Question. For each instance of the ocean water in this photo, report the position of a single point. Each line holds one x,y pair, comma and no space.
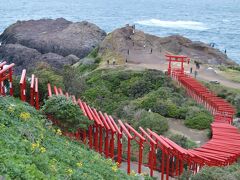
209,21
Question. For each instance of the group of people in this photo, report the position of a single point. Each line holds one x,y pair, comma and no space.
213,45
196,70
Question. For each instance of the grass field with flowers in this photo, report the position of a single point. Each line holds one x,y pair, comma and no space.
31,148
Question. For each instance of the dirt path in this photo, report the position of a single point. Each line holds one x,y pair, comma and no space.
140,57
177,127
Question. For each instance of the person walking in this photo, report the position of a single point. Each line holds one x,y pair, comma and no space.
108,62
126,61
190,70
144,46
151,51
225,51
128,51
114,62
195,73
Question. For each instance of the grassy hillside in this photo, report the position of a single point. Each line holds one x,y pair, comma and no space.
215,173
30,148
131,94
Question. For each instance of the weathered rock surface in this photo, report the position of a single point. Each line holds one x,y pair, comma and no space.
123,39
57,36
22,56
57,42
28,58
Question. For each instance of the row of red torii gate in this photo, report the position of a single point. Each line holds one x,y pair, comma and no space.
114,138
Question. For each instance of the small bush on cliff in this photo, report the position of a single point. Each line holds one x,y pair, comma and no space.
69,114
153,121
198,118
217,173
46,74
183,141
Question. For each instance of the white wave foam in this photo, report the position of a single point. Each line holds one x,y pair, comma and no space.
193,25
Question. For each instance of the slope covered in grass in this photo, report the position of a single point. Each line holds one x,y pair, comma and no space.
30,148
131,94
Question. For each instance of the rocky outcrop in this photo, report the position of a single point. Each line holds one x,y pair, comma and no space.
124,39
28,58
57,36
22,56
57,42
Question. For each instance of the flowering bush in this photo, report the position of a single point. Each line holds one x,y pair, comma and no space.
69,114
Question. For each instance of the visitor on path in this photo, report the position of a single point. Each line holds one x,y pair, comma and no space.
197,65
133,43
114,62
195,73
190,70
128,51
126,61
144,46
108,62
225,51
151,51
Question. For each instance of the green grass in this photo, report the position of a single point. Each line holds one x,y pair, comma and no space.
30,148
215,173
230,94
231,74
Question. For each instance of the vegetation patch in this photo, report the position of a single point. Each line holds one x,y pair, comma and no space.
198,118
230,94
30,148
70,116
215,173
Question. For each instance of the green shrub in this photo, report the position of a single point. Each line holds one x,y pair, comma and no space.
183,141
218,173
198,118
46,74
69,114
151,120
94,53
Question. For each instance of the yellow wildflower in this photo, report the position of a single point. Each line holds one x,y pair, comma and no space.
53,168
114,168
132,173
79,164
24,115
11,108
59,132
69,171
42,149
35,145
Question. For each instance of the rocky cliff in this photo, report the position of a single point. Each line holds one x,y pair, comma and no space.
136,46
56,42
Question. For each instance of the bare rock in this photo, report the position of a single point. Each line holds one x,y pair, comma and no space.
121,40
56,36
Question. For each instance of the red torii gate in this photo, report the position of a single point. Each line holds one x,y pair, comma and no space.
176,58
34,94
6,74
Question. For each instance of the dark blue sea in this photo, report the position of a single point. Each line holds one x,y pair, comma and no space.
209,21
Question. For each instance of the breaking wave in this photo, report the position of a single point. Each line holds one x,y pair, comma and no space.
193,25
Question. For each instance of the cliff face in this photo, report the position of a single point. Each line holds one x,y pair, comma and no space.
59,37
139,44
